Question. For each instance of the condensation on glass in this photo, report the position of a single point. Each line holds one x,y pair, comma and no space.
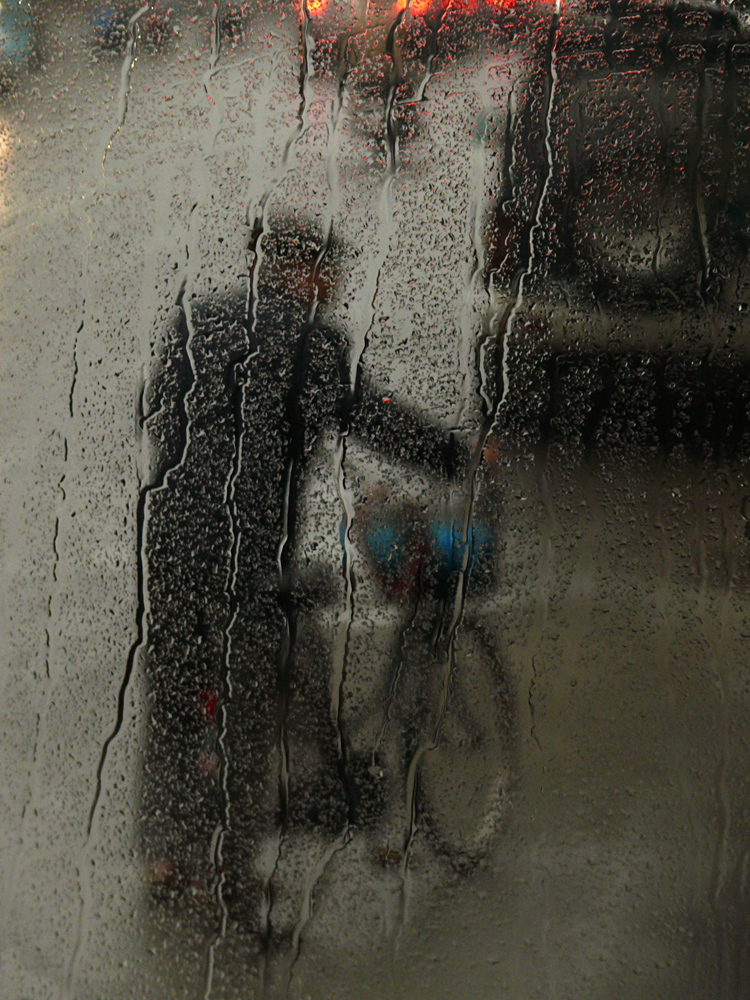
375,511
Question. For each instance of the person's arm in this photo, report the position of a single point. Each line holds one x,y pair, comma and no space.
403,434
394,429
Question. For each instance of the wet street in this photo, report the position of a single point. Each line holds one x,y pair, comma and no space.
528,784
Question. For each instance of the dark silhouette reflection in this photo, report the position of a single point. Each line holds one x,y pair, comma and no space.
243,745
616,268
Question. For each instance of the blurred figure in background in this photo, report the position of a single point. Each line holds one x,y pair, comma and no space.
234,410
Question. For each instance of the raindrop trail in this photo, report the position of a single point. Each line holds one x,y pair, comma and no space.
125,85
359,349
511,310
412,787
255,254
284,560
714,637
459,602
387,221
473,281
303,125
135,652
391,130
388,227
507,189
340,652
84,873
55,557
699,210
230,593
287,645
506,326
55,563
487,426
138,645
40,734
284,554
126,72
84,896
225,681
532,708
419,95
74,379
307,905
342,640
667,184
482,180
215,48
397,668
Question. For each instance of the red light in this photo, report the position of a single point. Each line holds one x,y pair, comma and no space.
417,8
314,8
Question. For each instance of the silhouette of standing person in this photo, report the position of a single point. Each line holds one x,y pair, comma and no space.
234,411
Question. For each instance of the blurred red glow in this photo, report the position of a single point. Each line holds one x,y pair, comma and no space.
469,7
315,8
418,8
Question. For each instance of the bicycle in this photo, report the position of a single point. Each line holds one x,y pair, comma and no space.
424,725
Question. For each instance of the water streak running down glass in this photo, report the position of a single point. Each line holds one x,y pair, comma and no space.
375,509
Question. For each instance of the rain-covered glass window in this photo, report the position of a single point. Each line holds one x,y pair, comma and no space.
376,500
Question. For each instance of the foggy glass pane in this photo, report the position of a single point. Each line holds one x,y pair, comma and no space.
375,499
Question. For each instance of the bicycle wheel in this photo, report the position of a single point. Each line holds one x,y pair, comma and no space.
464,775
